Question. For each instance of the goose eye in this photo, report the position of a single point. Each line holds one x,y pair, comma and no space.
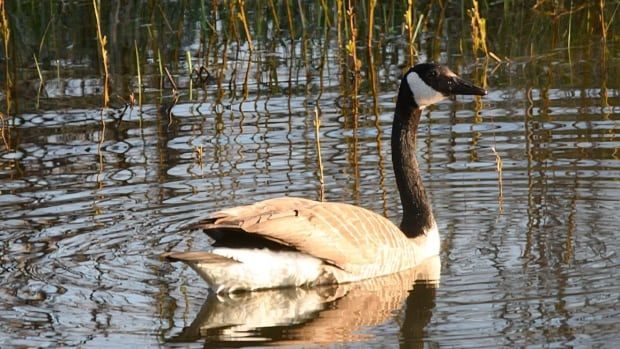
432,74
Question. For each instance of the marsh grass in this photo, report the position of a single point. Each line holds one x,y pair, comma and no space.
317,142
190,71
394,33
199,155
478,30
499,167
409,27
102,41
244,21
5,31
135,45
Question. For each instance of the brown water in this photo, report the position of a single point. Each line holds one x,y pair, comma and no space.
86,210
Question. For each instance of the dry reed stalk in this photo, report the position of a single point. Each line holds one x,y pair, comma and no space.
601,5
175,90
100,148
357,63
242,17
289,16
190,70
36,64
371,22
478,29
161,70
103,40
232,24
499,164
339,22
246,79
5,29
274,13
6,36
135,44
199,152
327,12
317,126
410,31
4,131
175,95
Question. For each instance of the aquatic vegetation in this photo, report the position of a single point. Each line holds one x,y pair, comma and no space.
102,41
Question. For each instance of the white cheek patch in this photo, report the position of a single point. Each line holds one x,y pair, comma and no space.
423,94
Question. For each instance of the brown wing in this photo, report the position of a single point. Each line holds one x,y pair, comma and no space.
197,256
344,235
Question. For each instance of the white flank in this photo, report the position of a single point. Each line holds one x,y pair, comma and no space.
260,268
422,93
429,243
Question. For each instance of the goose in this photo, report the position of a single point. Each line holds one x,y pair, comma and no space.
294,242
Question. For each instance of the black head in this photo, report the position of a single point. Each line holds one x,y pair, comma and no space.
430,83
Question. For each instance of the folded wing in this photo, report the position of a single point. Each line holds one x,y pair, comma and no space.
343,235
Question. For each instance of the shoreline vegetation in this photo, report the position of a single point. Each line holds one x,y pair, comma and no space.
194,51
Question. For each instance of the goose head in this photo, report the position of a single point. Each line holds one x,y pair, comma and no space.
429,83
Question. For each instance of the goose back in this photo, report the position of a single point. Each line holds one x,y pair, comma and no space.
348,237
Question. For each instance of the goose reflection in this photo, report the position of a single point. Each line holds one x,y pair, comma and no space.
320,315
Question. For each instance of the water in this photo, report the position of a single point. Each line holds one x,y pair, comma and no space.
531,260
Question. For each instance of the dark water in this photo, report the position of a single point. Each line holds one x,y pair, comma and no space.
89,200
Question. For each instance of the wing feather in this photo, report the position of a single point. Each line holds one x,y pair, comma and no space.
344,235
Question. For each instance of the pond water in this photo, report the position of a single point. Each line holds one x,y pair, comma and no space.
90,197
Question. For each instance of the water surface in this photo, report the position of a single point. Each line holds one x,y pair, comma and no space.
90,197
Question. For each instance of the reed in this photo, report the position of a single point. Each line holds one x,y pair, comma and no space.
246,79
6,36
478,29
199,153
357,63
160,65
371,22
327,12
36,64
243,18
4,133
5,30
274,14
175,96
568,44
289,17
601,15
317,142
499,165
102,41
190,70
175,89
339,22
102,131
135,45
409,27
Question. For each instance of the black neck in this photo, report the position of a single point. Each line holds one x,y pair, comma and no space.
417,213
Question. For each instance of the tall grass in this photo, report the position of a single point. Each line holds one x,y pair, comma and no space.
392,32
102,40
5,30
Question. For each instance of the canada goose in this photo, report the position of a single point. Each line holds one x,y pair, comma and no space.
291,241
